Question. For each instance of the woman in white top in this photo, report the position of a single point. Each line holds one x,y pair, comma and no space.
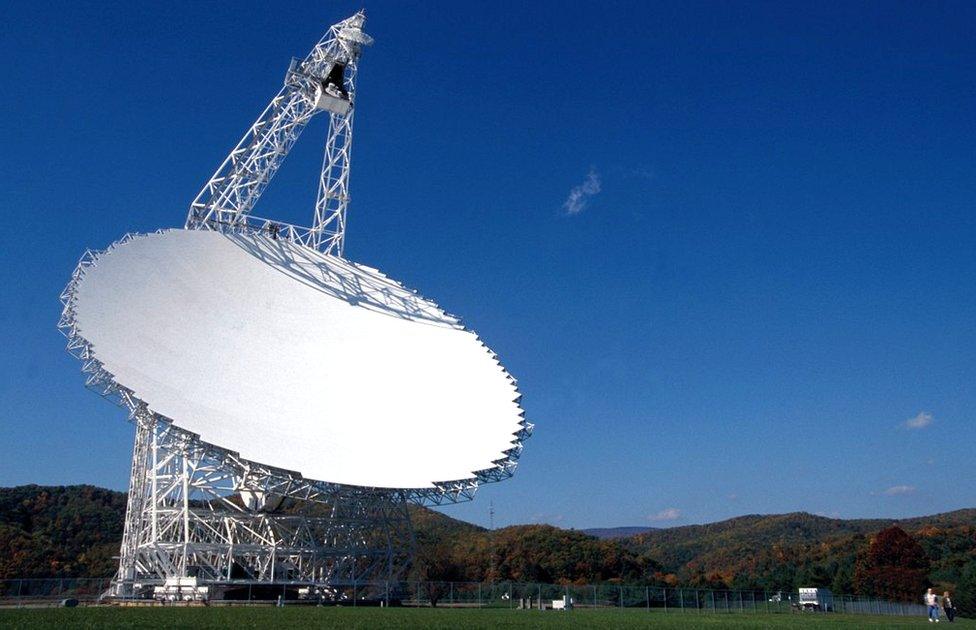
932,601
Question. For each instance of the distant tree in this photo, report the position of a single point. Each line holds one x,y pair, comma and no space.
965,596
700,579
843,582
814,575
895,567
434,569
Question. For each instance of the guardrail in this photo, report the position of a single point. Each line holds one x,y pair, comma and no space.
274,229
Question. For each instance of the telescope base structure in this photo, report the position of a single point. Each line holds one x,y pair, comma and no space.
196,528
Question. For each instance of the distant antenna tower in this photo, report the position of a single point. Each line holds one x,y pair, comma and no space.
492,565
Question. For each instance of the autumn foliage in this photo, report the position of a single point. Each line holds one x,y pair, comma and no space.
895,567
75,532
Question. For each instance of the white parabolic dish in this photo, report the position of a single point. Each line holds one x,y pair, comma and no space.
296,359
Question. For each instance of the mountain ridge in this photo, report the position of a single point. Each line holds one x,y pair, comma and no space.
616,532
75,531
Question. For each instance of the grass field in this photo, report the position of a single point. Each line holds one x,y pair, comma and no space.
350,618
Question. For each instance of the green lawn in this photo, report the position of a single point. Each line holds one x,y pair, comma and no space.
350,618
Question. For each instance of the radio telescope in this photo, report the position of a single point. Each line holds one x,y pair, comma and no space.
289,404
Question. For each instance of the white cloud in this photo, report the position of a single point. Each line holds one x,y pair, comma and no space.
667,514
895,491
922,420
579,195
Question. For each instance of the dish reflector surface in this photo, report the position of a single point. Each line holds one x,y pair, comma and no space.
297,360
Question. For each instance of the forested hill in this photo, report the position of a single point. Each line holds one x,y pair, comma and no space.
616,532
767,550
75,531
64,531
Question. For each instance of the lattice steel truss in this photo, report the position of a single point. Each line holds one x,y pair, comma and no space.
198,510
190,515
323,81
329,222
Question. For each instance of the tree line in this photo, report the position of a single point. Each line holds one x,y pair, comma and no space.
75,531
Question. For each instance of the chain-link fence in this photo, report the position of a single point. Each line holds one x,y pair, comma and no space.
50,591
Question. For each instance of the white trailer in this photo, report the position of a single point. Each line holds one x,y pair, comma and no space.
181,589
816,599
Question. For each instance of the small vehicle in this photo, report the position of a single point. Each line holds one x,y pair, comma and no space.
816,599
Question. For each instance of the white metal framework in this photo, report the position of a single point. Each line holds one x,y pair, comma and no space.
323,81
190,515
197,509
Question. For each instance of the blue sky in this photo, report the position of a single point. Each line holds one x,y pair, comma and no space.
766,271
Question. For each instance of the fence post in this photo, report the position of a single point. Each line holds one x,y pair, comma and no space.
665,589
451,597
480,605
681,599
698,602
594,596
766,599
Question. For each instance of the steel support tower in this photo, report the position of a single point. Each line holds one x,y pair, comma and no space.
197,512
200,513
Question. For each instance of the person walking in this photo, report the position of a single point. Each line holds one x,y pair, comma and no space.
950,610
932,601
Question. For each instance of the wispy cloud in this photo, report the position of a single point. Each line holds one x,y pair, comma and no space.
667,514
895,491
922,420
579,195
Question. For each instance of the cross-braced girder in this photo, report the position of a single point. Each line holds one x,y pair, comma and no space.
323,81
186,518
